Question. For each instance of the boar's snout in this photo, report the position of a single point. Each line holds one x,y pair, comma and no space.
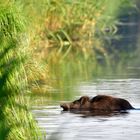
65,106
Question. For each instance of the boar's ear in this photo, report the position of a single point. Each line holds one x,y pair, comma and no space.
84,99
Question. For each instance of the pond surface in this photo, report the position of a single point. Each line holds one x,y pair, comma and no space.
59,125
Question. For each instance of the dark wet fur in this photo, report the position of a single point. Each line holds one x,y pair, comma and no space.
100,104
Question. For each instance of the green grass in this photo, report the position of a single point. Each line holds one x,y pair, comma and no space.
16,122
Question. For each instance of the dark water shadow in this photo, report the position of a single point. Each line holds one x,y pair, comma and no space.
94,113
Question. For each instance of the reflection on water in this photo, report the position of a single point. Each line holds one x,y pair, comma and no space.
59,125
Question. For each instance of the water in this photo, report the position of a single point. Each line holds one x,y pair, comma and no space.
59,125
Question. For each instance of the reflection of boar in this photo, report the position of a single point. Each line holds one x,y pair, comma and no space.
99,102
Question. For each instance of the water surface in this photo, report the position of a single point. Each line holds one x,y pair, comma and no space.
59,125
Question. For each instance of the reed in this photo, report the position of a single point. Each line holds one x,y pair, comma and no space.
16,122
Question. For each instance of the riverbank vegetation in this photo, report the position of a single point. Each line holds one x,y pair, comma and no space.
66,37
45,43
16,121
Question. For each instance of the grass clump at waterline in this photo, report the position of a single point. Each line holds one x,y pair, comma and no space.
16,122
